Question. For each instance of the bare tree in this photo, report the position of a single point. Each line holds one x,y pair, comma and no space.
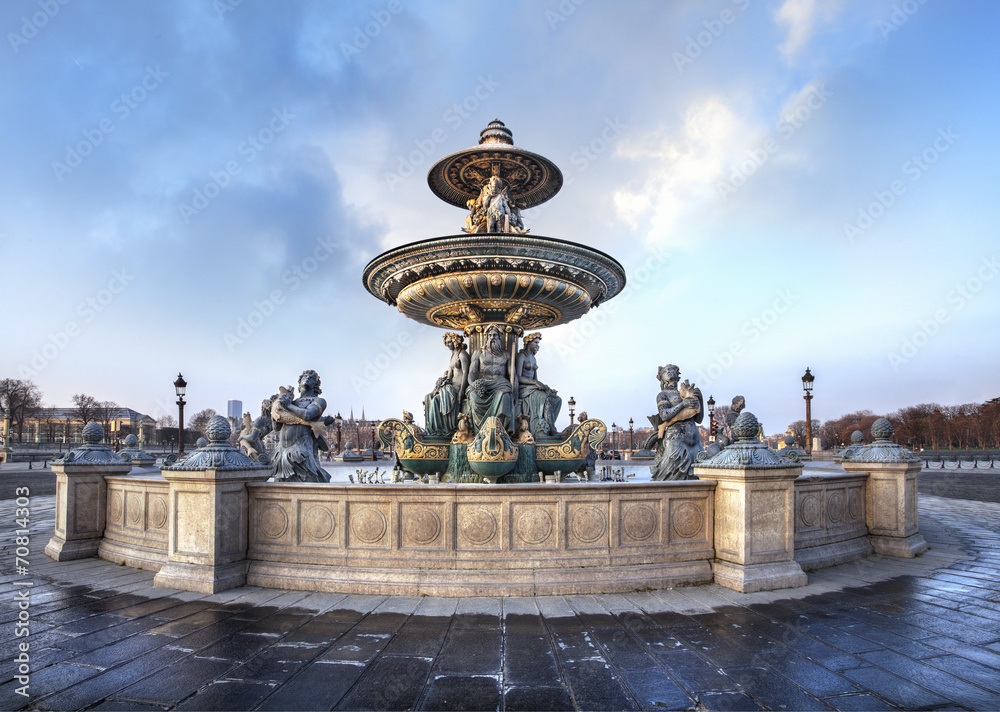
200,420
86,408
104,413
19,399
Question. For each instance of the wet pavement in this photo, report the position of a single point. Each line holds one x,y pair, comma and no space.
881,633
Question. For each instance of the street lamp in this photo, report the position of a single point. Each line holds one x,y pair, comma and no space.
630,439
340,421
807,386
614,438
711,419
572,404
180,385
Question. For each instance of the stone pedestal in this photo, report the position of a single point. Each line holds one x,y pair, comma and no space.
208,523
82,496
754,514
892,493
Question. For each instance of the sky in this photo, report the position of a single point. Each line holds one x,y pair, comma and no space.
196,186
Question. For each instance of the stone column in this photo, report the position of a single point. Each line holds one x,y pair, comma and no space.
209,515
891,493
754,513
82,496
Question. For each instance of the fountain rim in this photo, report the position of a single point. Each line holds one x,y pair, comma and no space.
383,260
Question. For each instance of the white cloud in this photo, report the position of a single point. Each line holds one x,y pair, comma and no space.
801,17
684,165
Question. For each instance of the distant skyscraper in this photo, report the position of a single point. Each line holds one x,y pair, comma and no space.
235,409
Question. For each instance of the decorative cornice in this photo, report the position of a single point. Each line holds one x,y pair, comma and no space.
495,271
882,450
218,454
747,453
92,452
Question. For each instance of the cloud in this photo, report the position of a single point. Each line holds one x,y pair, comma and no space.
801,17
684,165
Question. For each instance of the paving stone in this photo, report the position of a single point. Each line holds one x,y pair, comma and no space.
727,701
238,647
96,688
529,661
357,647
858,703
531,699
898,691
810,676
106,636
122,650
654,688
419,637
773,691
319,686
271,665
177,682
390,683
935,679
453,692
470,652
228,695
622,649
694,673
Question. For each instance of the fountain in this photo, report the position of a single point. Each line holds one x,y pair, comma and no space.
491,284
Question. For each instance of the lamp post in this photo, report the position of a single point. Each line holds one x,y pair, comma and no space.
374,457
807,386
180,385
614,438
630,443
711,419
572,404
340,421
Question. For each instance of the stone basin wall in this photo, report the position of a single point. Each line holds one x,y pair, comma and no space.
468,540
830,516
746,529
138,515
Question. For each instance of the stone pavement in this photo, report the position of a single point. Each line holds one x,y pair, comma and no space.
875,634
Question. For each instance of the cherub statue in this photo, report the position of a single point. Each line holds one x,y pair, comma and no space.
464,435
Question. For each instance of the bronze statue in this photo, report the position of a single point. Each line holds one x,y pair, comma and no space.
442,405
490,393
298,422
679,442
535,400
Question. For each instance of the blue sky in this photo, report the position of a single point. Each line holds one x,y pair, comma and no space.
197,186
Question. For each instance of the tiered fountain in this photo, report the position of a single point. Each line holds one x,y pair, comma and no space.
489,418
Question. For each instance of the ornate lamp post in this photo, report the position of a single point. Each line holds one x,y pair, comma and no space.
180,385
374,456
572,404
630,443
340,421
711,419
807,386
614,440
